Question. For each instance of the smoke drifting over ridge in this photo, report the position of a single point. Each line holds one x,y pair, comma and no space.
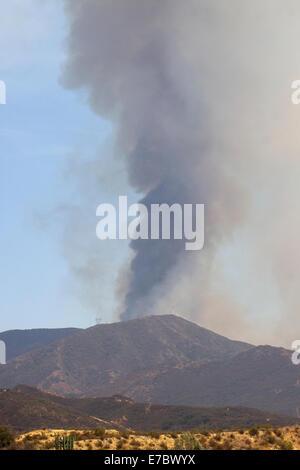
199,92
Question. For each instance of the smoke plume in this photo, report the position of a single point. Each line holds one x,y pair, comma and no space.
199,93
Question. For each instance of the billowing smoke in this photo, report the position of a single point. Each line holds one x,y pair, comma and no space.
199,92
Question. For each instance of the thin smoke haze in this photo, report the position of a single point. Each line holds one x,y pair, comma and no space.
199,93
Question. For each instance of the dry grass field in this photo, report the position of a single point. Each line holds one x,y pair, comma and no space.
257,438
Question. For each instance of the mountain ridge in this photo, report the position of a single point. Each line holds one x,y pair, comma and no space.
161,359
19,342
82,363
25,408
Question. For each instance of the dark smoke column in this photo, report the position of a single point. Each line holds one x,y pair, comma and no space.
146,65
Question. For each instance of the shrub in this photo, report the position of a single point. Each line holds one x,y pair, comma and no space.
6,437
76,435
120,445
125,434
286,445
227,445
204,432
213,444
253,432
134,442
155,434
85,435
270,439
100,432
49,445
187,441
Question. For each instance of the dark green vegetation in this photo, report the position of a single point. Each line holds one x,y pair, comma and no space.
64,443
24,408
21,341
161,359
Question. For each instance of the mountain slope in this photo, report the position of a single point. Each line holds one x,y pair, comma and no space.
25,408
23,411
84,363
262,377
162,359
19,342
125,411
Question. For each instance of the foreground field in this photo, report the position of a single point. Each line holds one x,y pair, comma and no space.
261,438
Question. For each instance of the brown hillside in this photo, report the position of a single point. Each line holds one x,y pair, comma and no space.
83,364
25,408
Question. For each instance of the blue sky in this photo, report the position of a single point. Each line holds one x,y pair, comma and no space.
55,272
41,127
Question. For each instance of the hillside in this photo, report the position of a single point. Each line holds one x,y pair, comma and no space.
149,417
19,342
23,411
162,359
262,377
24,408
85,363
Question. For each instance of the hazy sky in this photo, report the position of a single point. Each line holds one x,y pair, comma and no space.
220,84
43,129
